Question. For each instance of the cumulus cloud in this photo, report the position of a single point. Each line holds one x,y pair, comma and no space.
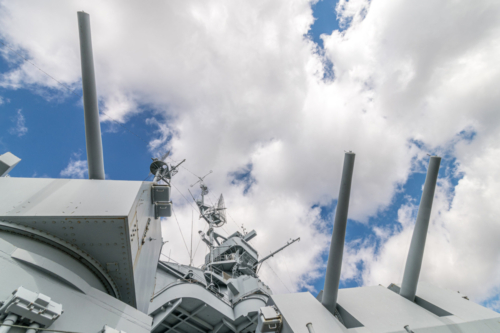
239,89
76,168
19,121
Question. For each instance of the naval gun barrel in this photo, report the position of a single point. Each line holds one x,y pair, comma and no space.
92,126
334,265
417,245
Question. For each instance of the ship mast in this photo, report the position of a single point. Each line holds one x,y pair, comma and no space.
214,215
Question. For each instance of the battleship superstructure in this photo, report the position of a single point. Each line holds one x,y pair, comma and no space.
84,256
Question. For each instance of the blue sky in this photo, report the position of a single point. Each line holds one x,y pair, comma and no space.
45,126
56,132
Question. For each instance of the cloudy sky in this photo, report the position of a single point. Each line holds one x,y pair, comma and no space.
269,95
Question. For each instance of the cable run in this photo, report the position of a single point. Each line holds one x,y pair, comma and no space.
199,241
170,258
288,271
72,91
234,221
189,202
268,265
227,233
41,70
185,244
191,172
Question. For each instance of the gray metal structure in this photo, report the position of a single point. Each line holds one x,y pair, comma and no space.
417,245
95,157
80,255
7,162
334,265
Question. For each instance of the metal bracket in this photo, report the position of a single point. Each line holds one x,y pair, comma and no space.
32,307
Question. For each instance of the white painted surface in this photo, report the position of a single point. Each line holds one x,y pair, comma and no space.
381,310
66,197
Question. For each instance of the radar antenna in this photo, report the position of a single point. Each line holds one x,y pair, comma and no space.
214,215
162,170
221,208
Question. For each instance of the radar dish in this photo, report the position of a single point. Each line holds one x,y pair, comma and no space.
221,208
158,165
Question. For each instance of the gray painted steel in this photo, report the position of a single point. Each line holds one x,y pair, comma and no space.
33,328
417,245
104,223
92,125
334,265
7,162
380,310
9,320
23,265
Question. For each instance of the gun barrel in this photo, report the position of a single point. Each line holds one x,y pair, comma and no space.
334,265
92,125
417,245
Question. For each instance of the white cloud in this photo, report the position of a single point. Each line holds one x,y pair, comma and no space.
462,246
431,80
162,130
76,168
19,121
241,90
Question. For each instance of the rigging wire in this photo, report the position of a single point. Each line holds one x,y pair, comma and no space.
238,226
191,172
227,233
170,258
268,265
199,241
72,91
41,70
191,252
185,244
288,272
189,202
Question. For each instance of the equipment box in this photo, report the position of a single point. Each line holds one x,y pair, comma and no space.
163,209
160,193
269,320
